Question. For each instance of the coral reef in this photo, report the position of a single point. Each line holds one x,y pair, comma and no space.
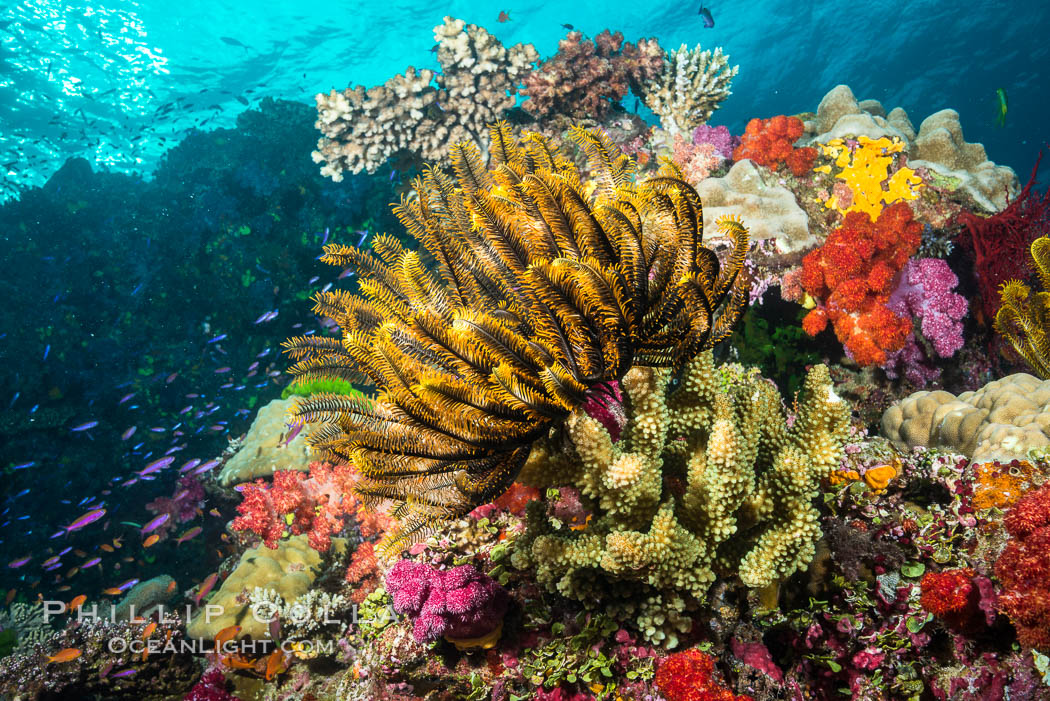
1001,421
770,210
851,276
1023,569
143,600
706,480
296,504
362,128
543,292
689,88
265,449
585,78
460,603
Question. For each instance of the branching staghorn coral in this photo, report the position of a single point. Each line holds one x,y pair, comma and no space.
690,88
545,291
709,478
1024,317
422,111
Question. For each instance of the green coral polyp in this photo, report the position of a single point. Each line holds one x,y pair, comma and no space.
709,479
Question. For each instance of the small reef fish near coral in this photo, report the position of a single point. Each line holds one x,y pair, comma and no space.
374,352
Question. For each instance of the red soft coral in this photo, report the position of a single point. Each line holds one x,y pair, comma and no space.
1023,568
296,503
768,142
952,596
852,276
690,676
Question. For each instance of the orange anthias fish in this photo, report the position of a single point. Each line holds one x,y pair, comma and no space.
171,587
205,587
152,540
113,591
77,602
106,547
149,630
503,17
226,635
10,596
67,655
275,664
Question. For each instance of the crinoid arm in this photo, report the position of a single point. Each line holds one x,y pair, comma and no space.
543,291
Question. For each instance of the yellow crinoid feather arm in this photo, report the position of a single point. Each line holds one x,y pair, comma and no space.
534,285
1024,317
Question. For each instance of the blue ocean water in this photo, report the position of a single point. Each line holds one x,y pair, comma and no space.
117,82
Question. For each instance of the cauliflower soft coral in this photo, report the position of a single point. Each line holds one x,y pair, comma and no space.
296,503
769,142
690,676
1023,569
851,276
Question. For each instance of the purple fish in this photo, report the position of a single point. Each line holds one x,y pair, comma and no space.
210,465
125,398
190,465
262,318
24,465
15,564
106,670
128,483
325,240
364,235
84,426
314,279
47,351
188,535
171,378
88,518
91,563
129,433
155,523
216,339
224,369
156,466
293,431
705,13
347,272
123,673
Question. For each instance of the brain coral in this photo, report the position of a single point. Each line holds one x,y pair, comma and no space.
264,451
1000,421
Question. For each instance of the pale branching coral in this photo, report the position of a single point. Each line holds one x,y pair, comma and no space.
707,480
422,111
691,87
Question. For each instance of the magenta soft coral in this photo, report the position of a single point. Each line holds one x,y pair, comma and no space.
211,687
181,506
1023,569
458,603
316,505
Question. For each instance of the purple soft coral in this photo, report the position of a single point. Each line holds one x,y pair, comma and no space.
211,687
719,137
457,603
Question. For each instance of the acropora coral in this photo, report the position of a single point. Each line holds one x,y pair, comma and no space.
1023,569
585,78
1024,317
864,167
460,603
770,142
689,88
851,277
708,478
295,503
543,292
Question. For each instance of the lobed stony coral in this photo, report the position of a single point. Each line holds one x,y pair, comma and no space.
705,481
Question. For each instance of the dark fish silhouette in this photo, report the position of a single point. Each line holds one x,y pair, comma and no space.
232,42
568,26
709,21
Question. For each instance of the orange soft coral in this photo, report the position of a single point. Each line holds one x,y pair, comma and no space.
769,142
852,275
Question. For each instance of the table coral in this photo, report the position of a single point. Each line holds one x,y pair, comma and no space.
689,88
295,504
705,479
1023,569
585,78
864,167
458,603
851,276
422,111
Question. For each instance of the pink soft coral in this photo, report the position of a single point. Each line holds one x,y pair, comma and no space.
696,160
925,293
181,506
315,505
458,603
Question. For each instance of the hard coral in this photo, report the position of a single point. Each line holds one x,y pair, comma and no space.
296,504
1023,569
692,84
851,275
585,78
456,603
690,676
